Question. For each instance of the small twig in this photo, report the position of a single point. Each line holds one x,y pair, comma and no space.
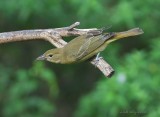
54,36
73,25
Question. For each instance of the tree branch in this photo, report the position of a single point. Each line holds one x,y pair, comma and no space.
54,36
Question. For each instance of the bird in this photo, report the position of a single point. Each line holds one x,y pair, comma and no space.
85,47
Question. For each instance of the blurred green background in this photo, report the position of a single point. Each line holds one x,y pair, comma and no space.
40,89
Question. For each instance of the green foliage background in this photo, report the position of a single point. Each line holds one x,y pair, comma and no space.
40,89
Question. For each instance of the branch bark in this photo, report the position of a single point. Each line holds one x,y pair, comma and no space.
55,37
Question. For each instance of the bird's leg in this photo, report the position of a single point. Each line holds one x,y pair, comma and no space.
97,59
97,56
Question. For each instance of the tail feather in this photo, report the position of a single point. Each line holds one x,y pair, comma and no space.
129,33
132,32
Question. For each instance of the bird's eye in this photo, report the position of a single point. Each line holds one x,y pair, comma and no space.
50,55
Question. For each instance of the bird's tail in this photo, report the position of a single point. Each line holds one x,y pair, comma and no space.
129,33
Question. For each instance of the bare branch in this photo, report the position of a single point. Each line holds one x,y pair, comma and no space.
73,25
54,36
103,66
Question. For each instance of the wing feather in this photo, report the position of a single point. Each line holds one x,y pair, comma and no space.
83,45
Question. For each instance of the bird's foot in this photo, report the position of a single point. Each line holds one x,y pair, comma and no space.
97,56
97,59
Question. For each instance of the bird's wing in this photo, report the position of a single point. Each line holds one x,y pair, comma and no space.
90,45
83,45
74,47
93,43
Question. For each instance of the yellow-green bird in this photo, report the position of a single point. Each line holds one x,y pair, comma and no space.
85,47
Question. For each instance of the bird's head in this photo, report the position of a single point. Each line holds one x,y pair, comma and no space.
52,55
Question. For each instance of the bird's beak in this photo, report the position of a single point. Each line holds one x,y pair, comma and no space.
42,57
